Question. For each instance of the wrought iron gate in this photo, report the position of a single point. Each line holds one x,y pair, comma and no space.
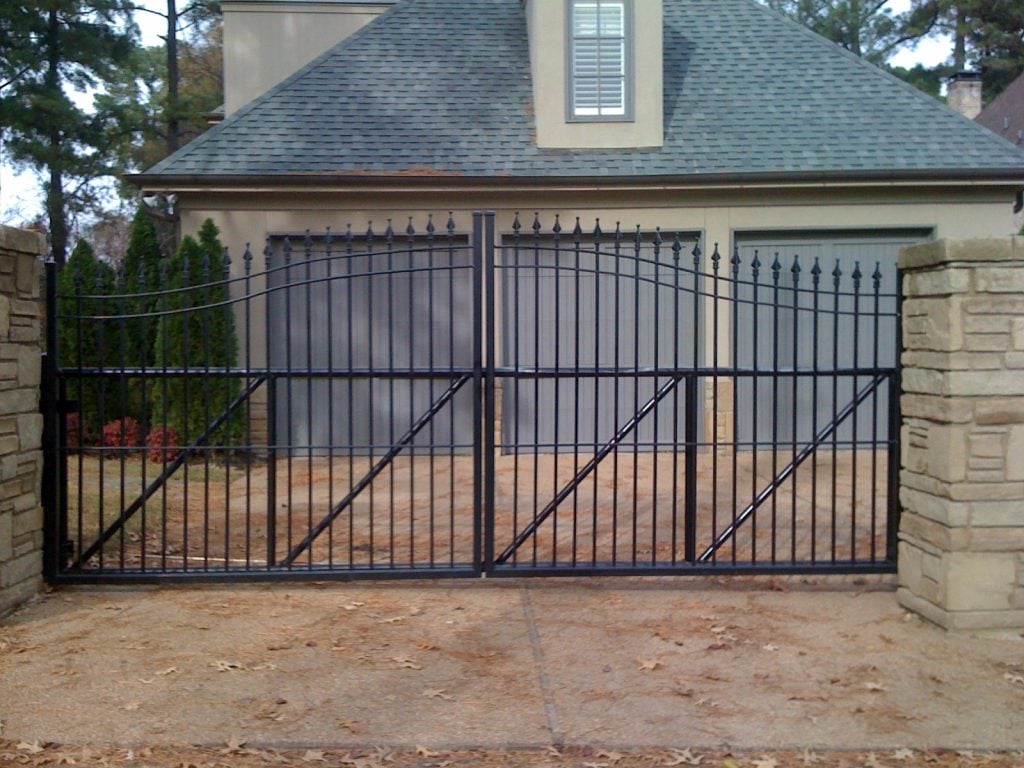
458,403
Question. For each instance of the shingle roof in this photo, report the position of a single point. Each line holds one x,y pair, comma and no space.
443,87
1005,115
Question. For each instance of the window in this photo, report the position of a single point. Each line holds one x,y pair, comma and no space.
599,60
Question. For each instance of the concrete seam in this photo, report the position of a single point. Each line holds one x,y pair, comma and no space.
550,710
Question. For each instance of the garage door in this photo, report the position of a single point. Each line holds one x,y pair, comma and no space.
770,408
568,311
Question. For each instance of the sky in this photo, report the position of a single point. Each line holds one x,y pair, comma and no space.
19,193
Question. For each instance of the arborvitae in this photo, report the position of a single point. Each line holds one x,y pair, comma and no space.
87,342
200,338
142,280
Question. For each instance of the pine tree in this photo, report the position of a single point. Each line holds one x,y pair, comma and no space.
48,50
198,334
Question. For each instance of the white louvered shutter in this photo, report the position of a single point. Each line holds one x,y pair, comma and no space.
598,38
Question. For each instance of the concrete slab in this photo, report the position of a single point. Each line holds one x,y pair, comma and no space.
504,664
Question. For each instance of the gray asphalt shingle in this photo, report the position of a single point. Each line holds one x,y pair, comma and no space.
443,86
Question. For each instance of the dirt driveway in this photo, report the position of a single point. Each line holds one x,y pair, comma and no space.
594,665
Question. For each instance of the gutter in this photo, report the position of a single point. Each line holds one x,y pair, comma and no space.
413,180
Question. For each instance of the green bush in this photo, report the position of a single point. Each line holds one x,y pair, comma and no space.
202,338
85,341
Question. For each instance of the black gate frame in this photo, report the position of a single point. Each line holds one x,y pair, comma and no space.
492,557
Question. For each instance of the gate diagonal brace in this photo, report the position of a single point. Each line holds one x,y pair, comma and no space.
591,465
173,467
780,478
377,468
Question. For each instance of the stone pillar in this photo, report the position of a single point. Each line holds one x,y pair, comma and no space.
961,557
21,425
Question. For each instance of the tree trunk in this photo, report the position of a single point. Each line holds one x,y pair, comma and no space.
173,121
56,204
960,37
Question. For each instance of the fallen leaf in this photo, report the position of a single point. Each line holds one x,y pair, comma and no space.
553,751
32,747
770,647
683,757
424,752
406,662
314,756
166,672
131,706
648,665
873,761
226,666
765,762
809,757
349,725
874,687
1015,679
266,665
903,754
437,693
353,606
611,757
234,745
393,620
426,646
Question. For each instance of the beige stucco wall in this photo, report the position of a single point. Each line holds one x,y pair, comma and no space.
266,42
719,214
546,23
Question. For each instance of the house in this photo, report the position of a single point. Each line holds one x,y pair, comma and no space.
1005,115
717,119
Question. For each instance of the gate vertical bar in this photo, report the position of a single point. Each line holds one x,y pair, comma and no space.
690,505
271,418
489,403
478,394
55,513
895,425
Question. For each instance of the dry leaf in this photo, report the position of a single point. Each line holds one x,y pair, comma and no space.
873,762
353,606
131,706
553,751
226,666
426,646
648,665
809,757
349,725
32,748
903,754
392,620
770,647
874,687
437,693
234,745
166,672
611,757
314,756
683,757
765,762
1015,679
406,662
424,752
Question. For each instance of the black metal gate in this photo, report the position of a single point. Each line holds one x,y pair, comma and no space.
452,403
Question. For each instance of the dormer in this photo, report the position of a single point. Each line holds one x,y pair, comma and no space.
265,41
597,71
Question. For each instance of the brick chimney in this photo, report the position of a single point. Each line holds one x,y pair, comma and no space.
964,94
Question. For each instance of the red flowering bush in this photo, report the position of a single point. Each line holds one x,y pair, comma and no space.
122,433
77,437
163,445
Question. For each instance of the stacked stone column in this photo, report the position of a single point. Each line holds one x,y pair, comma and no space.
21,425
961,556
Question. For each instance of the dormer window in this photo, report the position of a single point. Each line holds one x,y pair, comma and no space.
600,66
